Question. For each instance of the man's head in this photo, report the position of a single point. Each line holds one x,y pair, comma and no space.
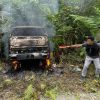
90,40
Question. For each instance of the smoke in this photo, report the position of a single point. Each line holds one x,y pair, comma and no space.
34,12
27,13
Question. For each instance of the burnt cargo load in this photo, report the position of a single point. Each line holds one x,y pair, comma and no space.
28,43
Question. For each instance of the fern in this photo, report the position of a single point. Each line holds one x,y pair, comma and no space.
28,95
52,94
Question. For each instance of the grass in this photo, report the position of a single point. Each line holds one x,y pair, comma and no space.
35,86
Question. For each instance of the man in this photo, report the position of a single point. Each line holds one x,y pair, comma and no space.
92,55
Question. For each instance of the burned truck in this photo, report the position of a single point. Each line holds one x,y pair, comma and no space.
28,43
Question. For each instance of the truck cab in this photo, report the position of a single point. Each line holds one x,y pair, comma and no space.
28,43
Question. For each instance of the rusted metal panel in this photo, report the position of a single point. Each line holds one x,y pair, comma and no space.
27,41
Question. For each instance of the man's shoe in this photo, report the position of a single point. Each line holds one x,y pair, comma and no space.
97,76
83,77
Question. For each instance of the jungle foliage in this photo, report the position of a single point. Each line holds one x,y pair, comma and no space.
72,26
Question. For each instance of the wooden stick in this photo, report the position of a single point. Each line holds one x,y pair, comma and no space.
71,46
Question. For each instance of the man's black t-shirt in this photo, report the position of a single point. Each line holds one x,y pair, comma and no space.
92,50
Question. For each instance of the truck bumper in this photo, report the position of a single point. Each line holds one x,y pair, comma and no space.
28,56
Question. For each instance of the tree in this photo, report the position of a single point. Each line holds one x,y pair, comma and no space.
73,25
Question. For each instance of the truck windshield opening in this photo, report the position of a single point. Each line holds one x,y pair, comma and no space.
28,32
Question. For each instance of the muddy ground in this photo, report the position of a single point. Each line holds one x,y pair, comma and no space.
62,83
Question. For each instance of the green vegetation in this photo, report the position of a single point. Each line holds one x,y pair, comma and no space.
72,21
74,26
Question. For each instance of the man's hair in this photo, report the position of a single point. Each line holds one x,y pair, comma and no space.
91,38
